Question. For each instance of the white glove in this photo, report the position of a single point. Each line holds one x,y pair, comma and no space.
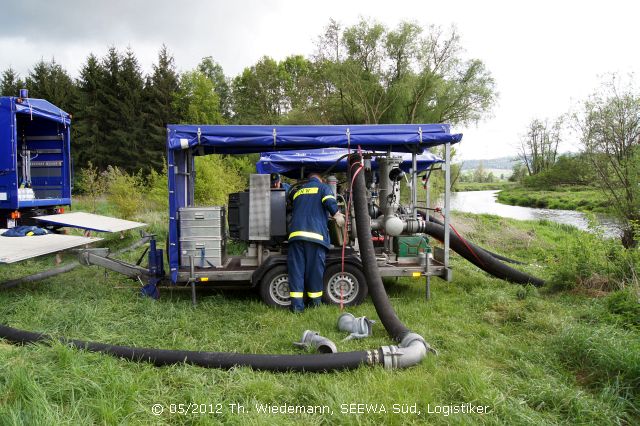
339,218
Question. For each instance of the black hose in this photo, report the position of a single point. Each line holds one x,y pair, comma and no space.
480,258
226,360
301,363
496,255
385,311
39,276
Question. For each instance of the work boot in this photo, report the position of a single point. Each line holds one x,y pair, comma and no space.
314,303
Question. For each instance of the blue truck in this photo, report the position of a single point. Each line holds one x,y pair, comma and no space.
35,159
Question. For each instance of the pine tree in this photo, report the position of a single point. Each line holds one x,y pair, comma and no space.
49,81
129,134
159,93
10,84
87,120
108,108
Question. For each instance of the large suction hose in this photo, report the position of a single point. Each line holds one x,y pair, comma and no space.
481,258
160,357
411,350
387,314
496,255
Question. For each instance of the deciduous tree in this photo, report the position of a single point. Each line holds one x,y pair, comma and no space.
539,147
609,124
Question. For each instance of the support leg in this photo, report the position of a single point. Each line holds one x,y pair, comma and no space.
428,288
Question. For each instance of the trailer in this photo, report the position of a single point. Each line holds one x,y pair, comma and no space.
198,235
35,159
36,180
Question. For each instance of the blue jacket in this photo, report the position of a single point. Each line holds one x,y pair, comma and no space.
311,203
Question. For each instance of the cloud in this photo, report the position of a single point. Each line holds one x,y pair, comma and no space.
544,55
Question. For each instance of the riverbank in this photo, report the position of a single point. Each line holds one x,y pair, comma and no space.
566,353
483,186
563,198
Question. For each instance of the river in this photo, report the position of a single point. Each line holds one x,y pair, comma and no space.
485,202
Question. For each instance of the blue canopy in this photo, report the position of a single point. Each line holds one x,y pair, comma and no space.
34,107
255,139
288,163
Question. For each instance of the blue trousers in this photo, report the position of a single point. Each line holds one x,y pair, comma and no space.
305,262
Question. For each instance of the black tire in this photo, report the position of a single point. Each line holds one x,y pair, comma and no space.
274,287
352,281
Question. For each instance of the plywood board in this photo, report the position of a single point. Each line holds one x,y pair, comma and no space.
14,249
90,221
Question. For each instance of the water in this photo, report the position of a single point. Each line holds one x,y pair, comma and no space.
485,202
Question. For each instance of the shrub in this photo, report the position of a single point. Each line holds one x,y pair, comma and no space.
125,192
157,189
590,261
91,183
216,178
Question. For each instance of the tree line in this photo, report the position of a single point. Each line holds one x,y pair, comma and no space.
366,73
607,127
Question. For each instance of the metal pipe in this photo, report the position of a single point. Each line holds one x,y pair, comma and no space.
414,185
447,199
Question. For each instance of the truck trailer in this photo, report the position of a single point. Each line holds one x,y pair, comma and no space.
35,159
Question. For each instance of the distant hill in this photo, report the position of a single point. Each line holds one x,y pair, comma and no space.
502,163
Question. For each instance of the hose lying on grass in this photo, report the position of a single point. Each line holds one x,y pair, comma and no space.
410,351
480,257
496,255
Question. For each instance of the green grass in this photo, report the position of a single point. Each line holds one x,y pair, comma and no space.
483,186
563,198
533,356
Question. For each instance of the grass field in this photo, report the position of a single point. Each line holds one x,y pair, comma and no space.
564,198
532,356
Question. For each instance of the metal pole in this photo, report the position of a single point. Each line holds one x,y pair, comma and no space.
192,280
414,185
447,196
428,200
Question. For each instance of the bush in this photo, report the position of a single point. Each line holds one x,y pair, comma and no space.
590,261
125,192
158,189
216,178
92,183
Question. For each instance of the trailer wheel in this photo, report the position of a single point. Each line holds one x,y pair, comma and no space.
274,287
350,285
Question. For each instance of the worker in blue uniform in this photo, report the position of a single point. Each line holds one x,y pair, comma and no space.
277,183
309,240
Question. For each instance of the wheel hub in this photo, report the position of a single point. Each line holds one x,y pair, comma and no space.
279,289
343,286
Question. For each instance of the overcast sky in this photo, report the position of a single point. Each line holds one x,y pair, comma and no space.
545,56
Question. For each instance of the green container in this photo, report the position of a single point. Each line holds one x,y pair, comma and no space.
410,246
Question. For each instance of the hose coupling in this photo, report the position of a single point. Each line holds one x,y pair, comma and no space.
358,327
411,350
313,339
